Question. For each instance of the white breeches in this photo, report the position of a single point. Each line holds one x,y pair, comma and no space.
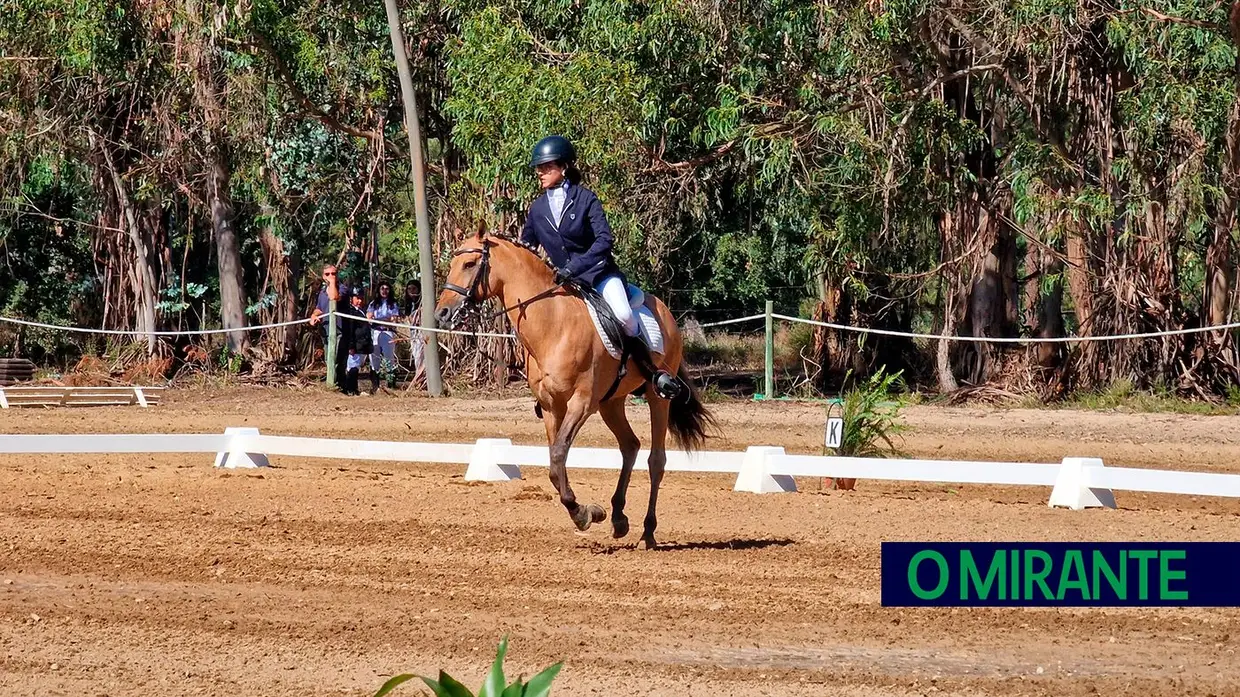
384,349
613,291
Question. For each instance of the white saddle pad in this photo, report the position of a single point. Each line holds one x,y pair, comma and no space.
647,322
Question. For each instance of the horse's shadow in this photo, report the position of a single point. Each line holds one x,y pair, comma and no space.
732,545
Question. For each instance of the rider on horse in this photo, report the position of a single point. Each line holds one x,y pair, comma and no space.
568,222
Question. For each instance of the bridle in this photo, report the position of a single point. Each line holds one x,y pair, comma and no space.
480,274
472,294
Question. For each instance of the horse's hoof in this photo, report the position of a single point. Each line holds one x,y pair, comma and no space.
619,526
587,515
581,518
648,542
597,513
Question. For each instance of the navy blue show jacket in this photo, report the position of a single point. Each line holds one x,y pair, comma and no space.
582,244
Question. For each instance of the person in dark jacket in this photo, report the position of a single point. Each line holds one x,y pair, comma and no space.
356,338
568,222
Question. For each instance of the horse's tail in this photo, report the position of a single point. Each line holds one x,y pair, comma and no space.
688,417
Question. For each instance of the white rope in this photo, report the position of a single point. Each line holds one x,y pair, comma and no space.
440,331
750,318
138,332
1011,340
732,321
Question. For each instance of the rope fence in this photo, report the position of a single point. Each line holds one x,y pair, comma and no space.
140,332
769,316
203,332
1014,339
705,325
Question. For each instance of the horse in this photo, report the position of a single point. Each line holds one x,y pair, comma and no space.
570,372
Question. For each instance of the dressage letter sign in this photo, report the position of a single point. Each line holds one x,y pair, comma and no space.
1068,574
835,432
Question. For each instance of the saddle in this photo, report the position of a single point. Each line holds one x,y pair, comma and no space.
611,330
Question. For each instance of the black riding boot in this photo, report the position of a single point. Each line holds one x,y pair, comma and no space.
665,384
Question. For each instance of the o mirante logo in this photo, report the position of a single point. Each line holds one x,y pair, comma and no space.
1056,573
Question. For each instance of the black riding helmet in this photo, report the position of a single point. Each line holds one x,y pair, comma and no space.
552,149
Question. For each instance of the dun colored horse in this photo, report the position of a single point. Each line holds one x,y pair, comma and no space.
570,372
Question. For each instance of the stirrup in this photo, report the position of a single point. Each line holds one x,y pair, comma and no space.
667,385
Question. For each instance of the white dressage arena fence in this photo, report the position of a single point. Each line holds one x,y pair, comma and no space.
1076,482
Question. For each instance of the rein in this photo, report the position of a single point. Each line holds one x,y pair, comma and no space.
480,275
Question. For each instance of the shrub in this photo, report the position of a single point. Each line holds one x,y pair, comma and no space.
870,419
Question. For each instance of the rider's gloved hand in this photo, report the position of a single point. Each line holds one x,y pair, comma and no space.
562,276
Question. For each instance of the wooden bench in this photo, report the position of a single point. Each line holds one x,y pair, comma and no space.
78,396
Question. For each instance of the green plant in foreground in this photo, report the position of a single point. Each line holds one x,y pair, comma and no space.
492,686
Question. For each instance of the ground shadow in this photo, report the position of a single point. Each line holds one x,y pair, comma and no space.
734,545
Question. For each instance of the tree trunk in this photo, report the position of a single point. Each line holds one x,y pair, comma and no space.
1220,256
948,299
1220,274
144,276
282,270
835,351
1079,282
208,89
988,294
417,172
981,284
372,256
227,249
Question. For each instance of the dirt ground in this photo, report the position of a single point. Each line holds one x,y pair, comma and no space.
158,574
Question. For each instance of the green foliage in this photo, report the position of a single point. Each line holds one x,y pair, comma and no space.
494,685
504,99
766,150
230,361
871,417
1122,395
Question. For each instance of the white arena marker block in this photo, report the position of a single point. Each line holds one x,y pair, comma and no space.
235,459
486,463
1071,486
755,476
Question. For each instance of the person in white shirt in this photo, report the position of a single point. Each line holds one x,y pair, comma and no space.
383,358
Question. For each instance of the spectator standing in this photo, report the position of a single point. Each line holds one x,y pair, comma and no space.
331,291
385,309
356,339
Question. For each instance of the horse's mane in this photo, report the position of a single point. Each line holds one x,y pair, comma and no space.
521,244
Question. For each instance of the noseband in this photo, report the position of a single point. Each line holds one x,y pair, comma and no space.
471,293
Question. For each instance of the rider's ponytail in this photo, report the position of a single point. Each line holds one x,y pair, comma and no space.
572,174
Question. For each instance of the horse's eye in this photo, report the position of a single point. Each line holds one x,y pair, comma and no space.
470,264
